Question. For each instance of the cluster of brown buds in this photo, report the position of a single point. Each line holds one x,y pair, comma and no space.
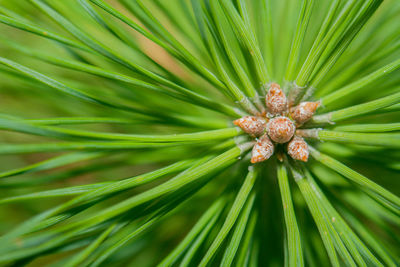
278,126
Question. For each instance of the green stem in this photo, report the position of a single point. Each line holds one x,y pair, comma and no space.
292,229
301,29
58,132
247,37
244,195
371,139
316,212
358,110
378,128
357,86
354,176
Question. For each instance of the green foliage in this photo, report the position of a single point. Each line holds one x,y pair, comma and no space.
118,148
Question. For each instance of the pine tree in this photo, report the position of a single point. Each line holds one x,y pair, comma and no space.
199,133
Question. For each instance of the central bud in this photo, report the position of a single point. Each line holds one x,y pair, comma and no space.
281,129
278,126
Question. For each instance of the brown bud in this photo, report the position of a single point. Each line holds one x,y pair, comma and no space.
281,129
298,149
252,125
262,150
276,100
304,111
